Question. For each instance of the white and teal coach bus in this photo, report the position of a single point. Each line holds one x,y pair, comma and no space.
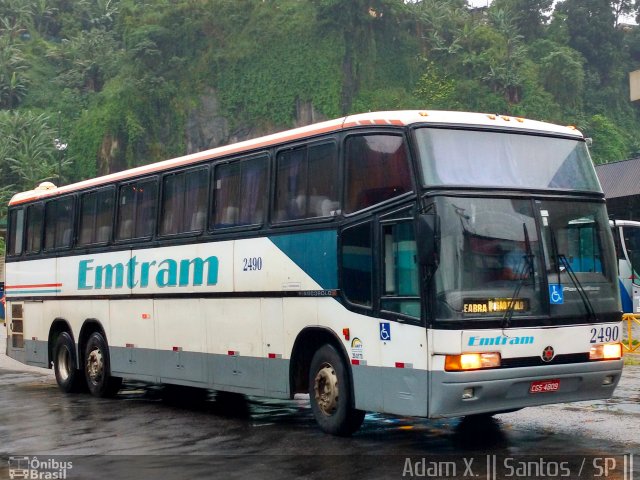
418,263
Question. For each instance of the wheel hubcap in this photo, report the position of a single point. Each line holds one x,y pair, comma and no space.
95,365
326,389
64,364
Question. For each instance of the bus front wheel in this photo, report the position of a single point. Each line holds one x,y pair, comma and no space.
97,368
331,395
69,378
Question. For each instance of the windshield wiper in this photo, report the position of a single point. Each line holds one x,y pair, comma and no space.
527,271
572,276
574,279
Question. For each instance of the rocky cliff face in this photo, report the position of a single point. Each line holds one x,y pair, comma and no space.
207,128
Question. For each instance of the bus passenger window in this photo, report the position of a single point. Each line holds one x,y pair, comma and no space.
307,183
16,227
184,202
96,217
58,223
137,210
357,264
240,190
34,228
377,169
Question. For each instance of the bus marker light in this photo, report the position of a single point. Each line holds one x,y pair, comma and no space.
177,349
346,334
404,365
606,351
275,355
355,361
233,353
471,361
146,316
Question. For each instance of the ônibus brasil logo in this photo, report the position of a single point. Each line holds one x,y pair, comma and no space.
38,469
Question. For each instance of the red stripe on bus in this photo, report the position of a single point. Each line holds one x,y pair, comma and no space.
39,285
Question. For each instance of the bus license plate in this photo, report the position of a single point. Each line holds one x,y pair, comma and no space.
544,386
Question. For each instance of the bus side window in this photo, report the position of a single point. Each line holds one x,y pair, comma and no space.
34,228
96,217
16,227
58,223
307,182
137,210
357,264
377,169
240,190
184,202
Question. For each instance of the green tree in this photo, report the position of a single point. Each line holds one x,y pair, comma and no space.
591,28
562,74
13,66
29,153
609,141
530,16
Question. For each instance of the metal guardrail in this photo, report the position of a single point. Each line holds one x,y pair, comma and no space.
628,344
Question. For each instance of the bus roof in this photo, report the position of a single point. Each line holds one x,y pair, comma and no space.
390,118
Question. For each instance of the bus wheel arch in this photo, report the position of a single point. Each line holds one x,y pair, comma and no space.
319,356
308,341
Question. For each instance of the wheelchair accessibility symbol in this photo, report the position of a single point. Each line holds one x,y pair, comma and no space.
385,331
556,295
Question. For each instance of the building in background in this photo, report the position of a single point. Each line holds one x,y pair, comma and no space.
621,185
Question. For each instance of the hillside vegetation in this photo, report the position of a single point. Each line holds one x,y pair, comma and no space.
123,82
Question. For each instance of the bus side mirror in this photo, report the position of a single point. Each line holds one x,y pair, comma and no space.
427,235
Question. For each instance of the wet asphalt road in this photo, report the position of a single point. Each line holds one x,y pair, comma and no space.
140,435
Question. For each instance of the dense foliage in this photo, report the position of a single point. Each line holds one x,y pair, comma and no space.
117,81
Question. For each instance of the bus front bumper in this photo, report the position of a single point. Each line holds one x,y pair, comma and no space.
454,394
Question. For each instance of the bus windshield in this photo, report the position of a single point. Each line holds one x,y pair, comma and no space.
493,262
498,159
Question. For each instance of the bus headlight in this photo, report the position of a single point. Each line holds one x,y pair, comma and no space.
471,361
606,351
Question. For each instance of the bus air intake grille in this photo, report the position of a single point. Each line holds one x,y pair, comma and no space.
537,361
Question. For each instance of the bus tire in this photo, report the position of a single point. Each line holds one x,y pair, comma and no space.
68,377
97,368
331,395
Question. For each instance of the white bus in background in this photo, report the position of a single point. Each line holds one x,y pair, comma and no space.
626,234
414,262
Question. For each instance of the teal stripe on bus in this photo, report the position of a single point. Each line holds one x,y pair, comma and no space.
314,252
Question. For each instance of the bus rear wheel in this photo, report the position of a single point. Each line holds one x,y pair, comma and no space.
97,368
331,395
68,377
